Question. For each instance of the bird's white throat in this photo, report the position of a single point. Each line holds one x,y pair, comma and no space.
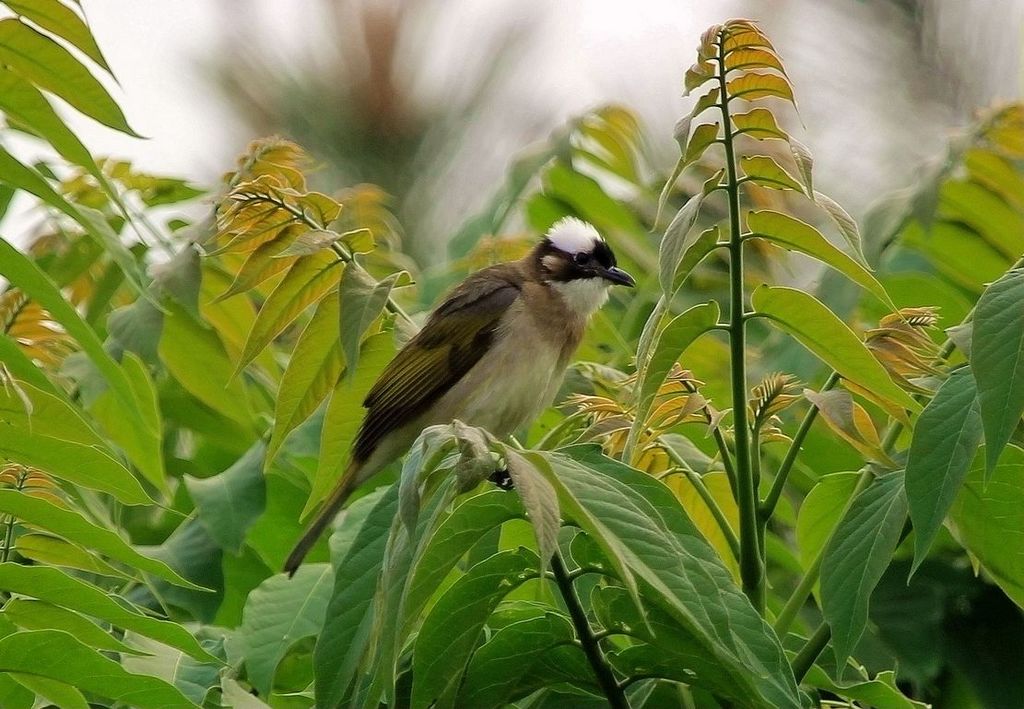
583,295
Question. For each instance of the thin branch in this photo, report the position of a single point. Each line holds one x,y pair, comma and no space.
809,652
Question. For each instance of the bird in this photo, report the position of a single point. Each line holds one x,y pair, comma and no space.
492,355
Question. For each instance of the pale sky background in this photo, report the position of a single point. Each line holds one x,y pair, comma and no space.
871,116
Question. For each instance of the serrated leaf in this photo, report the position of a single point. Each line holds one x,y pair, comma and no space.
819,330
57,655
53,68
228,503
997,360
759,123
988,516
55,17
847,224
755,85
946,438
72,526
54,586
675,243
313,370
308,280
764,171
362,301
280,612
791,233
440,656
856,557
506,660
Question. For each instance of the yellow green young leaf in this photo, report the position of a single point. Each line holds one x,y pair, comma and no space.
755,85
697,75
764,171
752,56
849,419
56,17
759,123
717,484
703,136
847,224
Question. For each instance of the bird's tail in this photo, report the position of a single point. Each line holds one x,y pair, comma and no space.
347,484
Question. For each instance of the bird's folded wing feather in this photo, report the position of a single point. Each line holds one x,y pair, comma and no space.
457,335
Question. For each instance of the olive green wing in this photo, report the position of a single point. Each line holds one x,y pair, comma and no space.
457,335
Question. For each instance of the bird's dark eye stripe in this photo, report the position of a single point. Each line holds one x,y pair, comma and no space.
581,257
604,255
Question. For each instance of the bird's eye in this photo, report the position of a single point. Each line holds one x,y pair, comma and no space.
581,258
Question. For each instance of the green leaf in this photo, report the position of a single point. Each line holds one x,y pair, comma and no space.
345,413
703,137
54,586
42,514
230,502
679,334
192,677
55,17
235,696
697,75
793,234
804,162
820,512
758,123
195,356
349,616
695,253
856,557
639,525
38,615
56,655
589,200
280,612
946,438
764,171
753,85
675,243
508,659
820,331
880,692
308,280
362,301
997,360
440,656
51,67
988,516
540,502
846,224
54,551
60,693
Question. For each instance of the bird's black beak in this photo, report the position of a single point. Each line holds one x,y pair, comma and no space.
617,275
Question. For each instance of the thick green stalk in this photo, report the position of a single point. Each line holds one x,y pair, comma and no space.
751,562
588,641
809,652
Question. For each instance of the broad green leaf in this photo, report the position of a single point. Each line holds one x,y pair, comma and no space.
679,334
191,552
759,123
540,502
880,692
997,360
349,617
56,655
589,200
440,656
54,16
54,586
60,693
192,677
703,137
508,658
51,67
846,224
637,520
856,557
26,275
946,438
307,281
820,331
695,253
345,413
675,242
452,539
54,551
237,697
820,512
229,503
139,437
764,171
988,516
280,612
261,264
195,356
43,514
958,253
986,212
37,615
791,233
362,301
754,85
18,366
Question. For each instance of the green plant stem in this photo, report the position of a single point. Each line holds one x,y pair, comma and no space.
588,641
779,483
809,652
751,562
648,340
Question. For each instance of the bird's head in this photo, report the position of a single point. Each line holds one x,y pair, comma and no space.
579,264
